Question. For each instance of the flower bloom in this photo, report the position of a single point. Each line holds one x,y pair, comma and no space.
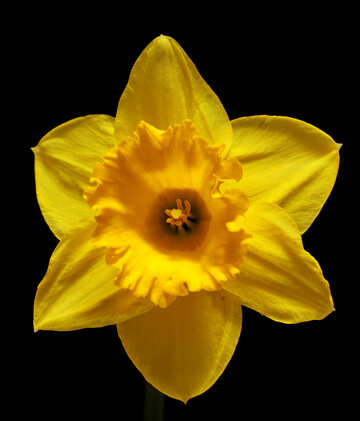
171,217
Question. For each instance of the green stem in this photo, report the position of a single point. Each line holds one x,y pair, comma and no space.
154,404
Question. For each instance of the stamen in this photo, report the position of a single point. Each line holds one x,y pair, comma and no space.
179,204
180,216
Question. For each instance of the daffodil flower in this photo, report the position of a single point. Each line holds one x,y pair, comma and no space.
171,217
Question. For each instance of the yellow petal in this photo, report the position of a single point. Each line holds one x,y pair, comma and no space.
286,161
183,349
278,277
78,290
165,88
64,160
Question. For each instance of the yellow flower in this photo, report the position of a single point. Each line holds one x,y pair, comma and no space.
170,217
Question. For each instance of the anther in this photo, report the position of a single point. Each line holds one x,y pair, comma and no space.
178,217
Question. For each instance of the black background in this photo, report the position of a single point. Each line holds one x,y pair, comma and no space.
68,63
